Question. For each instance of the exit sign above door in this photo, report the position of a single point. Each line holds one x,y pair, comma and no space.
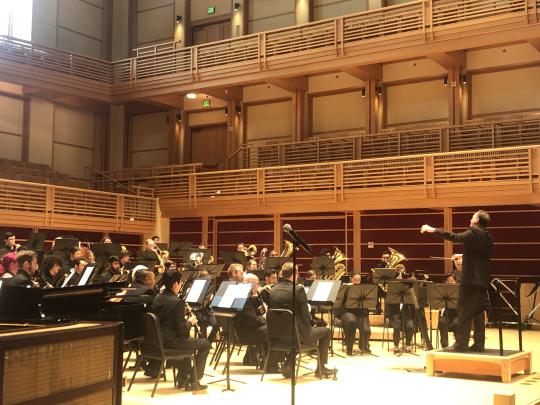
211,10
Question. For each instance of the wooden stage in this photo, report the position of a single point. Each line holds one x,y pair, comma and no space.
381,380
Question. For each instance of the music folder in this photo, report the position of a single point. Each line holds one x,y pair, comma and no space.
197,291
323,292
231,297
234,257
323,266
362,296
441,296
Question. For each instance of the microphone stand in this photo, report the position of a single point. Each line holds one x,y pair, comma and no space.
293,328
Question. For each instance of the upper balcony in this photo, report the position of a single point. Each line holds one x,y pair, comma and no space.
392,33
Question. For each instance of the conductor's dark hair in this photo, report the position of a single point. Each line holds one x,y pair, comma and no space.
483,218
170,277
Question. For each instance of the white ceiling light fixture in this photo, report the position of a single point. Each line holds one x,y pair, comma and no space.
191,96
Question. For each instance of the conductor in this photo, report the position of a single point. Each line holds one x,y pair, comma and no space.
477,243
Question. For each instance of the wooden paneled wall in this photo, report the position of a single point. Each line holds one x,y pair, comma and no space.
515,229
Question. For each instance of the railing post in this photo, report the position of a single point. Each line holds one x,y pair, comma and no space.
338,36
261,47
261,187
49,205
399,143
119,212
281,155
493,135
193,63
427,15
429,176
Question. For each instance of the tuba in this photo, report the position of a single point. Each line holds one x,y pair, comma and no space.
287,249
341,268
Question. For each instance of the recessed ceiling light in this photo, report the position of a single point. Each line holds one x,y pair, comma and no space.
191,96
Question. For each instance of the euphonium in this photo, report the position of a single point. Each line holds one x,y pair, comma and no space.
287,249
340,267
395,258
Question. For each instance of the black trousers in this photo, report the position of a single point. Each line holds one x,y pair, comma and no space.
470,312
320,335
395,322
201,348
447,322
351,322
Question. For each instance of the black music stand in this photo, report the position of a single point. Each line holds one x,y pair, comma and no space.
501,287
186,254
230,299
401,293
441,296
103,251
36,241
363,297
63,246
323,293
197,292
163,246
323,266
213,269
275,263
175,248
234,257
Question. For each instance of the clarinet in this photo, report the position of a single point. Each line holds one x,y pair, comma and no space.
189,314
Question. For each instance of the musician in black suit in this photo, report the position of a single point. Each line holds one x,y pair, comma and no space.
447,317
111,269
477,244
281,297
143,289
353,319
27,262
11,244
170,309
78,268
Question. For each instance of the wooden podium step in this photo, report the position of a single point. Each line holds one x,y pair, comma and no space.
486,363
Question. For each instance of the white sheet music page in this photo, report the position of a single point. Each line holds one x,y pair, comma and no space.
323,291
195,290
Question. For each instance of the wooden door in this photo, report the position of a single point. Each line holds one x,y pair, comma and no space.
203,34
209,145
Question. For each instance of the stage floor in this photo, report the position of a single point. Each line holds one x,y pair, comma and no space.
376,380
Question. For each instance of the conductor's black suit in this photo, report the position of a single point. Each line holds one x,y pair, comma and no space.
477,244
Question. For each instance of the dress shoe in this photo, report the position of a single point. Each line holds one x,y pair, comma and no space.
273,370
286,371
182,382
349,352
458,349
151,373
326,372
367,350
475,348
196,387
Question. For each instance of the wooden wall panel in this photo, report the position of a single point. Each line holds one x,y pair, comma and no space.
258,231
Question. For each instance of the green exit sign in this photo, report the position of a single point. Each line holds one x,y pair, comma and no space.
211,10
206,103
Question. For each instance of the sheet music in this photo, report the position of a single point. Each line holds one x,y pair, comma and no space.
86,275
68,278
323,291
234,291
195,290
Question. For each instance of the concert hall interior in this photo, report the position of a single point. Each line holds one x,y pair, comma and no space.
164,164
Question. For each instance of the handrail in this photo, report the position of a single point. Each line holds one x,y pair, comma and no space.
330,38
395,142
106,178
421,171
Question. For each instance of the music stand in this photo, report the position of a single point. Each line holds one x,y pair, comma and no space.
324,293
401,293
213,269
163,246
36,241
323,266
234,257
230,299
175,248
275,263
87,274
362,297
197,292
62,247
105,250
187,254
147,256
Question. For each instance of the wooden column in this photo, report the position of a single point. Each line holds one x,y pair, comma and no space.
373,107
182,30
278,240
299,115
239,19
204,231
304,11
357,241
448,246
455,96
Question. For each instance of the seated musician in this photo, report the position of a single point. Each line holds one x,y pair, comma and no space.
48,271
458,267
447,317
273,253
251,266
170,309
77,270
395,322
354,319
251,252
9,265
236,272
28,265
11,244
106,239
143,287
270,279
111,270
250,325
124,258
281,298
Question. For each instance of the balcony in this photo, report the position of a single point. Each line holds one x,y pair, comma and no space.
398,32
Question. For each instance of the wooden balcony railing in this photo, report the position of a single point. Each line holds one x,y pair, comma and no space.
395,142
425,173
32,204
162,65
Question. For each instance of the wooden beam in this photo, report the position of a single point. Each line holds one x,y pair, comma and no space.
535,43
234,93
449,60
168,101
365,73
292,84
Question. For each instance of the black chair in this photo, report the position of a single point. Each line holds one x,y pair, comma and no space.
152,348
279,326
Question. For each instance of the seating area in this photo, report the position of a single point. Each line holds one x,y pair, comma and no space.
37,173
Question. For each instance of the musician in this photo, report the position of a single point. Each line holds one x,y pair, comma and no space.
270,279
10,244
124,258
28,265
458,266
78,268
143,287
48,271
477,244
354,319
241,248
273,253
447,317
251,266
155,238
385,258
325,252
251,252
281,298
9,265
170,310
236,272
311,276
106,239
111,270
